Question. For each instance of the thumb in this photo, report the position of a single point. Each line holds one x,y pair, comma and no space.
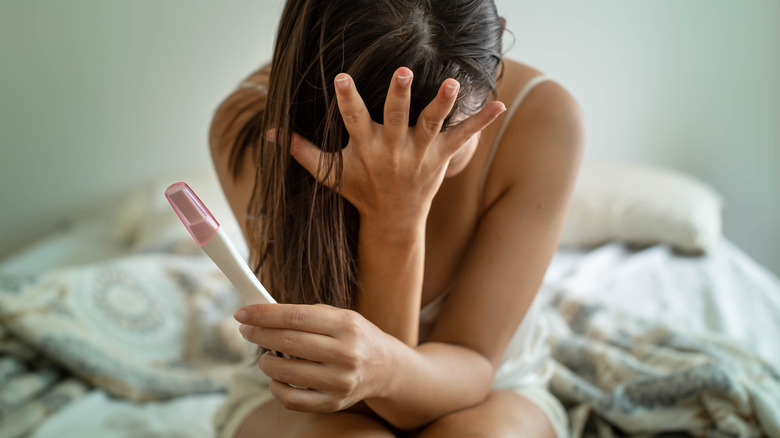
313,159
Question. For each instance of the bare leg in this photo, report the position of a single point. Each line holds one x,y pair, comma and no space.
274,420
502,414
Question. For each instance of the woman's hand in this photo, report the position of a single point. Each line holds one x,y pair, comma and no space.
392,172
339,355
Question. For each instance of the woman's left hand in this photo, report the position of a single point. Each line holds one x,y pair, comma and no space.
391,171
338,354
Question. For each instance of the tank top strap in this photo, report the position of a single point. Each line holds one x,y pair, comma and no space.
255,85
510,112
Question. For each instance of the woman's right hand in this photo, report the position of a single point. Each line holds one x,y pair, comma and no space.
338,357
391,171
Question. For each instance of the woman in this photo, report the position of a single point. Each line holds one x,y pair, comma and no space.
370,180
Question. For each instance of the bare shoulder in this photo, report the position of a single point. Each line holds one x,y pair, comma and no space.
238,109
545,134
548,103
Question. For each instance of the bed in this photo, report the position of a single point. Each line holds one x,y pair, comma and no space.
117,325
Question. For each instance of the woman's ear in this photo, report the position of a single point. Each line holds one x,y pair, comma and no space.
503,24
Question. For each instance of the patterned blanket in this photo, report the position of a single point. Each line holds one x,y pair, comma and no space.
31,387
126,302
623,376
143,327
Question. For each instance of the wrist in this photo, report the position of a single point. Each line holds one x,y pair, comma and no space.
385,377
389,229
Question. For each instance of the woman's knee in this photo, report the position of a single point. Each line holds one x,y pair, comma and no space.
273,420
346,425
455,426
502,414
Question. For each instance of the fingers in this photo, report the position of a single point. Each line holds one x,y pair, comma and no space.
303,400
301,373
455,137
304,345
396,115
352,108
318,319
432,118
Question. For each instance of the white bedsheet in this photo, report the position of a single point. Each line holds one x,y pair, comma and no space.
649,341
726,294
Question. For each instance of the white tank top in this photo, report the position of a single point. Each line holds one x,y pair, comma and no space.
526,361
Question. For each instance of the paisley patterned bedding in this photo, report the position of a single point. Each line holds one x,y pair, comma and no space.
145,327
94,306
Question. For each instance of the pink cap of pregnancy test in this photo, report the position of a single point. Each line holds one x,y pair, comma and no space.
193,214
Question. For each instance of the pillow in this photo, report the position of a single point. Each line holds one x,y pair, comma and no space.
643,205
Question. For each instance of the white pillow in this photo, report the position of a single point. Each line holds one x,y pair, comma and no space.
642,204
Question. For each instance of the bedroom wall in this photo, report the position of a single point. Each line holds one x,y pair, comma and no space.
96,97
691,85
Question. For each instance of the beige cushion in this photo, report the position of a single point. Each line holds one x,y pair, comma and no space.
642,204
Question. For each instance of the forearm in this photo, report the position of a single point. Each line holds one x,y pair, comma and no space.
430,381
390,268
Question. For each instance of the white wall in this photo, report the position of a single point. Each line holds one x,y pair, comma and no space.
98,96
691,85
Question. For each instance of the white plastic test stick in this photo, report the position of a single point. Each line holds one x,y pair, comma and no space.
205,229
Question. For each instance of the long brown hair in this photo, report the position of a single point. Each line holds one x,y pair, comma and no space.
304,239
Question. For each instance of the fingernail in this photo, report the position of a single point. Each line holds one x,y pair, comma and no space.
450,90
270,135
342,82
502,108
404,80
244,329
241,315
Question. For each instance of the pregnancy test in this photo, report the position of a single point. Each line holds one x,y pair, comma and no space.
213,240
